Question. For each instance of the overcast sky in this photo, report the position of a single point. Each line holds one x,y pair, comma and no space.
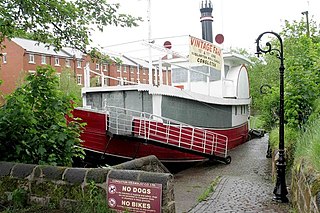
240,21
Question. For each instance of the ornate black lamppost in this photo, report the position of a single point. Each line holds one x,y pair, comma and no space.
280,190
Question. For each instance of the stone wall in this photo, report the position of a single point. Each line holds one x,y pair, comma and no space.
63,186
305,187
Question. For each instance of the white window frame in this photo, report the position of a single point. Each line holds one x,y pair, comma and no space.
131,70
124,68
67,62
56,61
79,79
79,64
4,58
118,68
97,66
105,67
32,72
43,59
31,58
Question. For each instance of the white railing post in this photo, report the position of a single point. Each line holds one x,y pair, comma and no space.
192,138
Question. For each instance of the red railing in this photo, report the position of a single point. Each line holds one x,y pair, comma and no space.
166,131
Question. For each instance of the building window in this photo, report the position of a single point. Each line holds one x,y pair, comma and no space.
31,72
56,61
31,58
67,62
125,81
43,59
97,66
4,58
144,81
105,67
125,69
131,69
79,79
78,64
118,68
132,79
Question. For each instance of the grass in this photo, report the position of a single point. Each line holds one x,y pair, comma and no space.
308,145
209,190
290,140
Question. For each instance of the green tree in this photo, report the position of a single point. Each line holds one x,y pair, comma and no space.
60,22
302,57
33,127
68,85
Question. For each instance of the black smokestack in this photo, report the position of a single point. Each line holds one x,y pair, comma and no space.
206,20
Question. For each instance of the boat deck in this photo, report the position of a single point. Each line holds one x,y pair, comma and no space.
157,130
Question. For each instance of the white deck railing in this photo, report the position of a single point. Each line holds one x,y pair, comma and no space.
147,126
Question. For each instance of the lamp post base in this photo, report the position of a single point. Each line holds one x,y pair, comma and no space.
281,199
280,190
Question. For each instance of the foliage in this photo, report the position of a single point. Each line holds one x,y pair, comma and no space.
316,111
68,85
101,58
291,136
256,122
60,22
19,198
33,128
302,77
308,146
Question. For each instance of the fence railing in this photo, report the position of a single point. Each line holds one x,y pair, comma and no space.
147,126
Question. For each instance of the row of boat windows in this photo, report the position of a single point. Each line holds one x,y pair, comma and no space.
241,110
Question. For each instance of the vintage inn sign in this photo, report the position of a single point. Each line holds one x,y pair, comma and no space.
204,52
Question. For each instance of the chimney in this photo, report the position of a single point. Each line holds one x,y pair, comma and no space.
206,20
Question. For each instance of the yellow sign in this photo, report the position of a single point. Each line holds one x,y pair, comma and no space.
204,52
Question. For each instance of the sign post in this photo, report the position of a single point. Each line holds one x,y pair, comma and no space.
204,52
125,195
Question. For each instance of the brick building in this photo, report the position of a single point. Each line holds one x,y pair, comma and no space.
21,56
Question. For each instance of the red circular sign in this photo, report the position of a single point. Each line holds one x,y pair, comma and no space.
219,38
167,44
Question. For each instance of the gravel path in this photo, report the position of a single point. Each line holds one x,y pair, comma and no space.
245,184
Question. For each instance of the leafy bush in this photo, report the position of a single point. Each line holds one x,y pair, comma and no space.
68,85
302,77
256,122
33,128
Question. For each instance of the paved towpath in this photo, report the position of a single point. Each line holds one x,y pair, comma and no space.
245,184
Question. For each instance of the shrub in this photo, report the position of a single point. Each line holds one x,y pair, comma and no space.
33,128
